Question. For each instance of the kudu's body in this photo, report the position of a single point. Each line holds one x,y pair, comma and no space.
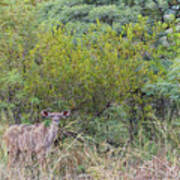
35,139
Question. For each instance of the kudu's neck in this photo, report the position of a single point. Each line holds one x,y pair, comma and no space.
52,133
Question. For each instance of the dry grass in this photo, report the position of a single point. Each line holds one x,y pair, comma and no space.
74,160
158,168
77,161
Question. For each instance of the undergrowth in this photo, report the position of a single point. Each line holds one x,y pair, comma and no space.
84,157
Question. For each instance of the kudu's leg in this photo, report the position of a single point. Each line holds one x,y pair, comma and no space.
41,156
12,156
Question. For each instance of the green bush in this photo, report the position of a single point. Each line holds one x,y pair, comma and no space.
78,12
115,13
106,14
89,69
16,39
65,71
166,89
61,70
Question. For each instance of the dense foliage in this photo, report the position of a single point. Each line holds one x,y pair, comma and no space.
79,14
115,64
123,68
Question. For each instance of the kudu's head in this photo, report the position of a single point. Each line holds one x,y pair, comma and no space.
55,116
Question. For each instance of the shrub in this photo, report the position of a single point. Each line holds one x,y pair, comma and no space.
166,90
99,68
17,38
61,70
106,14
108,11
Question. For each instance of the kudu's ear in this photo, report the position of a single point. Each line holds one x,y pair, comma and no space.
66,113
44,113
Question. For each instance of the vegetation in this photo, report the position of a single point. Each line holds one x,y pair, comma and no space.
80,14
114,64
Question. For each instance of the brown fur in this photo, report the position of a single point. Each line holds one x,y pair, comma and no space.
26,140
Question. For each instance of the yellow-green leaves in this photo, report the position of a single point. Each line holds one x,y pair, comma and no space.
92,69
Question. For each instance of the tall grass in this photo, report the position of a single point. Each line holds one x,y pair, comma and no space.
72,159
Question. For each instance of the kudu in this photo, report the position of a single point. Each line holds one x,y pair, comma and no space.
26,140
